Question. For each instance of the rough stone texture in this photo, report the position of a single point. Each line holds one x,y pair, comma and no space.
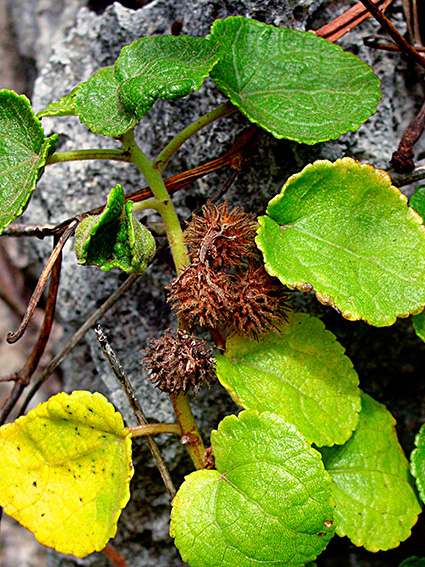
41,23
65,189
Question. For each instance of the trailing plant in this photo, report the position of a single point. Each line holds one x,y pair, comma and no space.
310,455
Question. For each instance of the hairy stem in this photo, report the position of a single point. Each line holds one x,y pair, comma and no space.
167,153
190,435
159,191
78,155
148,204
154,429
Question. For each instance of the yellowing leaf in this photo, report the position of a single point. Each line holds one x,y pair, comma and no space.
65,470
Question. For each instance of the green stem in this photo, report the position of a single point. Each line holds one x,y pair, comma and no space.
148,204
168,213
77,155
154,429
191,437
163,158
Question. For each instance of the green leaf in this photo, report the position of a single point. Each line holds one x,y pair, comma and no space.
301,374
294,84
99,107
23,153
376,503
413,562
65,106
418,462
114,239
65,470
267,503
165,67
417,201
419,325
342,230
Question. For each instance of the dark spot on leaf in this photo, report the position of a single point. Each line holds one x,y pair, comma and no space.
34,484
18,448
321,534
80,499
42,515
90,410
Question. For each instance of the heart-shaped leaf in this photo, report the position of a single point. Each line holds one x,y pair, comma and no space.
267,503
65,106
292,83
165,67
114,239
23,153
418,462
301,374
65,470
99,107
342,230
376,503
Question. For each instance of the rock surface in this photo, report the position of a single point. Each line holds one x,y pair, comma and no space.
66,189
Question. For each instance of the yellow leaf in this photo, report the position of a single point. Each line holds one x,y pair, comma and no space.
65,470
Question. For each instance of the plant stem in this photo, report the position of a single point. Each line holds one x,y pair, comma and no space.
136,407
220,112
41,284
77,155
148,204
154,429
391,30
159,190
190,435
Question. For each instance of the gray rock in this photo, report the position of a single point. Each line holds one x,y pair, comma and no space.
66,189
39,24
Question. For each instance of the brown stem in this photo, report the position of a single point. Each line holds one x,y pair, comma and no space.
393,33
11,400
374,42
403,179
24,375
402,159
75,339
235,158
114,556
41,284
136,407
347,21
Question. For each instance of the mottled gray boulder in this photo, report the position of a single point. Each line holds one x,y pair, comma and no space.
66,189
